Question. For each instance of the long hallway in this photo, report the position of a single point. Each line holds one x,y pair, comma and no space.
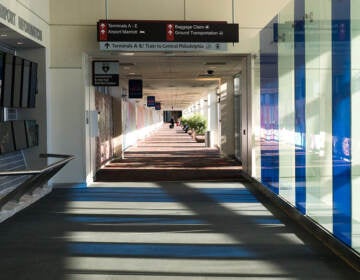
213,229
169,155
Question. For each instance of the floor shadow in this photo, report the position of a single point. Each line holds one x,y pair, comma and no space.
298,260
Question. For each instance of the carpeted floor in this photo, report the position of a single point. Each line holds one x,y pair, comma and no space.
169,155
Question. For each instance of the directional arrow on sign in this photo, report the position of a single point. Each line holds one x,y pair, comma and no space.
170,32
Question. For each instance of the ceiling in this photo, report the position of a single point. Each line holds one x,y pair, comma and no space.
177,80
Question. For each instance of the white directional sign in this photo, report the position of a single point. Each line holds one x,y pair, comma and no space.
161,46
105,73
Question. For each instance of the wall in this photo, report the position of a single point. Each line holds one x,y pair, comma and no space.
227,144
305,106
73,37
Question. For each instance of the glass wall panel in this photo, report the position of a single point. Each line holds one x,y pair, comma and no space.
355,117
341,119
269,119
256,129
318,108
306,100
286,104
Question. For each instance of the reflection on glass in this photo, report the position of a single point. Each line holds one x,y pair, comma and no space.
8,79
6,138
25,84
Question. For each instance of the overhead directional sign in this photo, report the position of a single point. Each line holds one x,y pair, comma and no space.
169,31
160,46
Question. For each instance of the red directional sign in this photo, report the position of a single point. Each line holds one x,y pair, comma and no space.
170,33
103,32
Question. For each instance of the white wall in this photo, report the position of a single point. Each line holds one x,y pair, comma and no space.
67,122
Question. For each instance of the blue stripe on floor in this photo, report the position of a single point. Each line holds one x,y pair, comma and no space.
230,195
138,220
158,250
123,194
138,194
156,220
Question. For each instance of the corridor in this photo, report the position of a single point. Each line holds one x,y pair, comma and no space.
176,229
169,155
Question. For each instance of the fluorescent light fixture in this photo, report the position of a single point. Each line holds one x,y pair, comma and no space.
126,53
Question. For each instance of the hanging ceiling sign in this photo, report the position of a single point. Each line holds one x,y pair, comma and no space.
151,101
106,73
167,31
135,88
163,47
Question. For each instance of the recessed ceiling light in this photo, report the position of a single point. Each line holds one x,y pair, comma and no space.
126,53
19,43
3,35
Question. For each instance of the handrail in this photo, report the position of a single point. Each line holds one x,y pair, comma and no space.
66,158
37,178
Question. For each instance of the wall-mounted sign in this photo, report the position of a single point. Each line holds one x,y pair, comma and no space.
167,31
9,16
151,101
106,73
135,88
157,106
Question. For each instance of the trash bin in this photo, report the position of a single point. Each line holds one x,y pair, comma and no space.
207,138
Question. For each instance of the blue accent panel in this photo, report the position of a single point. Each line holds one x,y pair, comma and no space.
159,250
300,105
341,117
269,95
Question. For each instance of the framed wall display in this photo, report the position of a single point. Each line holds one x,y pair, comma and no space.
157,106
32,133
6,138
8,80
17,81
25,84
19,134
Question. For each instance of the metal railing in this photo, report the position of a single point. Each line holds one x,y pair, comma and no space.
37,177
